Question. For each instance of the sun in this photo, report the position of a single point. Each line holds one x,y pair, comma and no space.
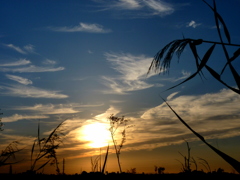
97,134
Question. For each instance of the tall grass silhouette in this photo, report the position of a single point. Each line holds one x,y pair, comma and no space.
162,61
46,148
8,153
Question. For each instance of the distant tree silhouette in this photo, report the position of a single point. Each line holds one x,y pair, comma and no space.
162,62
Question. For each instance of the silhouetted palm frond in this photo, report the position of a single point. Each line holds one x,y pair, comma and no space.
162,59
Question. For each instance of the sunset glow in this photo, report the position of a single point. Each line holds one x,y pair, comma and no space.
97,135
93,64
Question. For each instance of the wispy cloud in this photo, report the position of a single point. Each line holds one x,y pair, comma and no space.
29,48
205,113
159,7
51,108
30,92
19,79
26,49
144,7
82,27
49,62
104,116
16,48
133,70
67,108
17,117
125,4
193,24
32,69
20,62
12,66
180,76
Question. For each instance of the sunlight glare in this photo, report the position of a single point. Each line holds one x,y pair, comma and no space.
97,134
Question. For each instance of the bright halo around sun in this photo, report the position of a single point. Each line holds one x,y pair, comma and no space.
97,134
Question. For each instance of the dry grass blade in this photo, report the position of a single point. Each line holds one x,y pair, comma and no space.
42,166
218,77
200,66
32,151
205,164
53,132
219,18
39,142
235,55
105,160
193,48
194,132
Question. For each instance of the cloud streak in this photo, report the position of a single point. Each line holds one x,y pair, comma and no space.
20,62
25,50
32,69
19,79
145,8
133,70
16,48
12,67
30,92
193,24
82,27
51,108
17,117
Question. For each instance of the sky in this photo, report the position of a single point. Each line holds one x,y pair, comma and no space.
79,61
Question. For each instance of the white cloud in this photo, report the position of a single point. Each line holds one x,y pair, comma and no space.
29,48
185,75
51,108
17,117
159,7
207,114
104,116
30,92
26,49
82,27
144,7
16,48
126,4
32,69
133,70
90,52
172,95
21,62
49,61
193,24
19,79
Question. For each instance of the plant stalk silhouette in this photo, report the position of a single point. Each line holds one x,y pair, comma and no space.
162,64
46,148
115,123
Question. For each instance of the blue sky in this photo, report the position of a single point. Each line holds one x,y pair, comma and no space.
85,60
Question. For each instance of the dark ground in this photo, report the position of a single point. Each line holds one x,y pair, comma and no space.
112,176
